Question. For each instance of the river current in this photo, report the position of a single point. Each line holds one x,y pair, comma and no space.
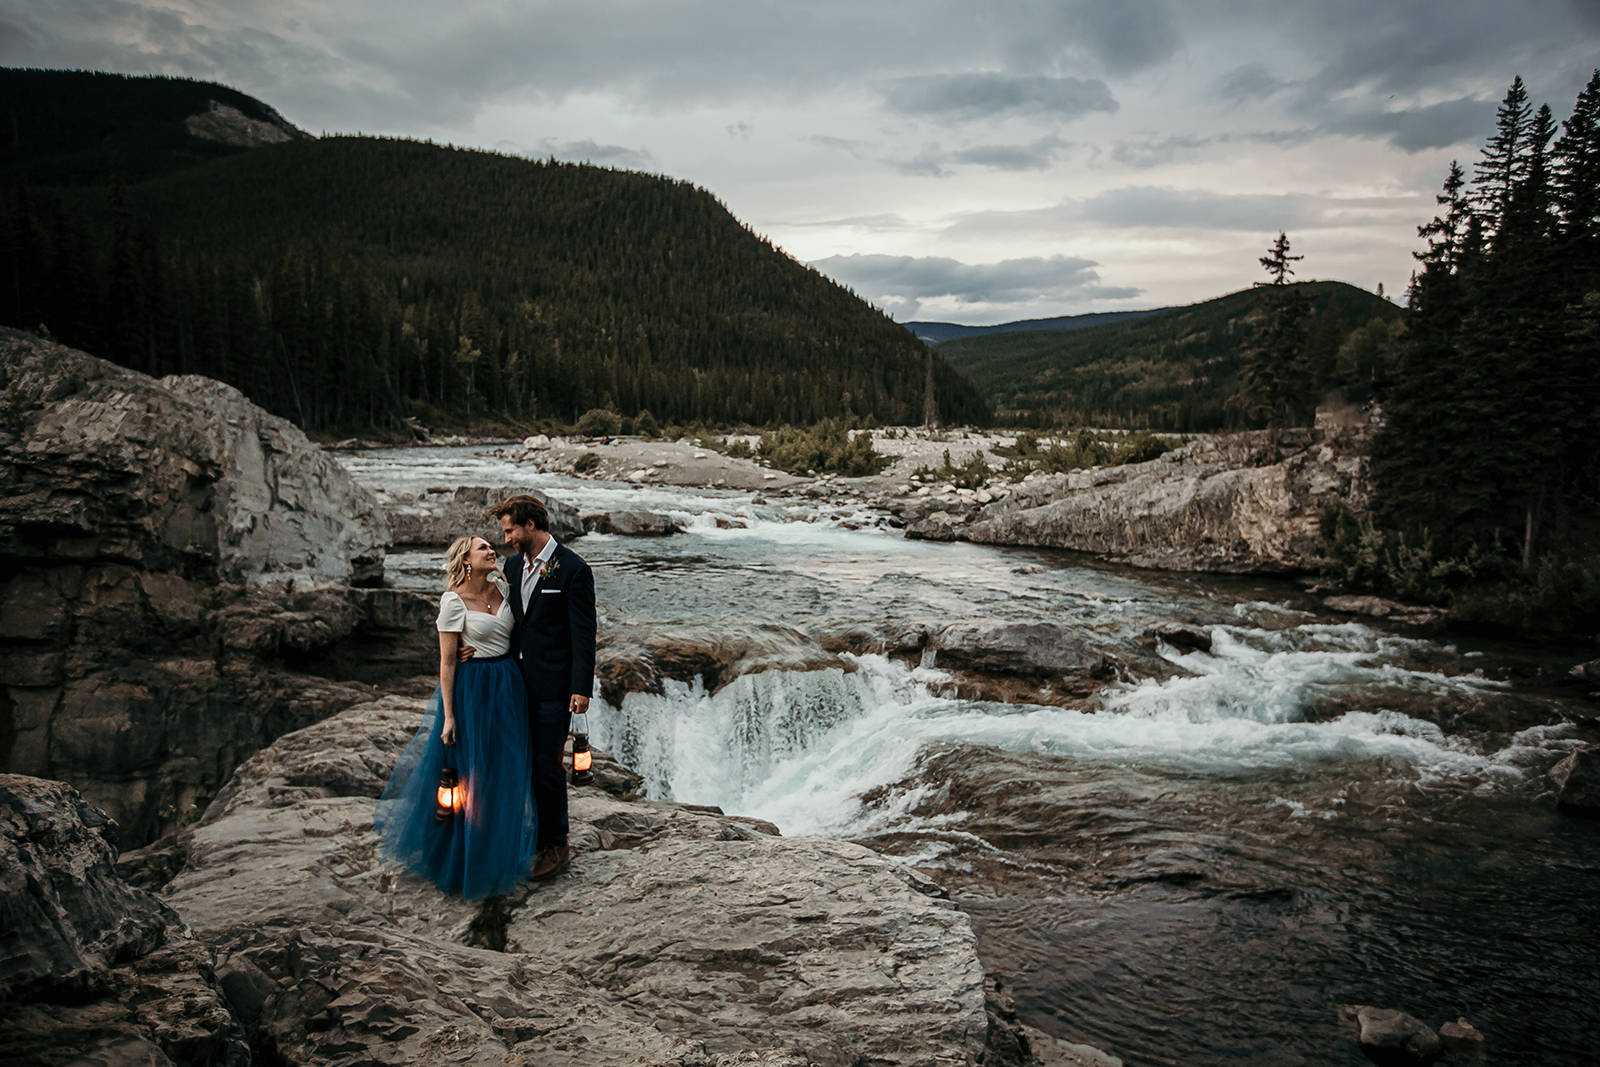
1195,871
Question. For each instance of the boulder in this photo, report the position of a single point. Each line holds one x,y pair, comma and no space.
166,550
630,523
1181,637
1391,1038
95,971
1577,780
1463,1042
1245,503
183,475
440,518
537,443
678,933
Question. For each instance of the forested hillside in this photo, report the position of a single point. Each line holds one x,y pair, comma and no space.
346,282
1488,471
1173,370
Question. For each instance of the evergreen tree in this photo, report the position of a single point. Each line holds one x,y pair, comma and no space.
1277,384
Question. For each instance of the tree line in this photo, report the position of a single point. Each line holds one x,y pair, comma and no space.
1488,468
348,283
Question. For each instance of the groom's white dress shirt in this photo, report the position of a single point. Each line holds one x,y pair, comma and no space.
531,569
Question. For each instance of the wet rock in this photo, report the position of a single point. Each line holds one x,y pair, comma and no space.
1577,780
1391,1038
1248,502
1463,1042
1588,672
677,934
940,526
630,523
1375,606
1181,637
643,658
440,518
95,971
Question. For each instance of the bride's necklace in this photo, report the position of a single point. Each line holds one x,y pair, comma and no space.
481,596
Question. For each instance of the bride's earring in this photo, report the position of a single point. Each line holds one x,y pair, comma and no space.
469,570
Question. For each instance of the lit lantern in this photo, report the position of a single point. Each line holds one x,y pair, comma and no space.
582,758
449,797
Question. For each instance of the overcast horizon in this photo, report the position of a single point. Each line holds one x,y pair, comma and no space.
947,162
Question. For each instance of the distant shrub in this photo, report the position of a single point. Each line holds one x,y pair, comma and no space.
645,425
598,421
739,450
972,474
586,463
826,447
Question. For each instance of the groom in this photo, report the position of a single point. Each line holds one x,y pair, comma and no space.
552,598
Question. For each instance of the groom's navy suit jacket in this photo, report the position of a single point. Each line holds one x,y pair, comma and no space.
555,634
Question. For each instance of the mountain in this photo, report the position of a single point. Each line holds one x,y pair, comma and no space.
1171,369
351,282
935,332
74,127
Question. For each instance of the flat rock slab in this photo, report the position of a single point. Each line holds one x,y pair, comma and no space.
677,934
734,939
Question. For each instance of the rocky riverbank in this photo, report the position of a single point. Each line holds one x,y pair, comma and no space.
170,557
679,936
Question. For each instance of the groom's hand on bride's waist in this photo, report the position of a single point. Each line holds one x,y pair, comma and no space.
464,653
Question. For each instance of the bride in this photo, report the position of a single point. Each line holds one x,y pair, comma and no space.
477,725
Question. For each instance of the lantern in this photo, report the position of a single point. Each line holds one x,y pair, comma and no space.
582,758
449,796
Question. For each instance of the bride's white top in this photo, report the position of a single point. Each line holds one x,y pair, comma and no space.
489,634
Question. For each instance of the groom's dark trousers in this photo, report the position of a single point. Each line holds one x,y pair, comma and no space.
554,642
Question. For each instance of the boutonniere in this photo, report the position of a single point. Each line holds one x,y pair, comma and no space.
550,567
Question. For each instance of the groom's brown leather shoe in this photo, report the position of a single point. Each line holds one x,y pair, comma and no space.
552,861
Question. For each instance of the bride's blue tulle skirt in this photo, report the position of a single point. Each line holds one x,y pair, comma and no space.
486,848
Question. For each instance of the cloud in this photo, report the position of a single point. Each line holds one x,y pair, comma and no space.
904,283
884,223
1413,130
1250,82
840,144
1129,35
1155,151
991,94
742,130
1036,156
1152,207
602,155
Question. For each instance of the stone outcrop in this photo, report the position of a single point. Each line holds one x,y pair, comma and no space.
183,475
1249,502
630,523
168,553
1391,1038
228,125
94,971
1577,780
679,936
435,518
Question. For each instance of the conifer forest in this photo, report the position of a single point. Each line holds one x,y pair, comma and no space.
349,282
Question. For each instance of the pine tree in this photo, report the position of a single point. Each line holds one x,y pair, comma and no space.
1276,382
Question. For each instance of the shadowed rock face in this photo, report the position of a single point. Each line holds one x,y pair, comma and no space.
677,934
167,550
1246,503
90,966
440,518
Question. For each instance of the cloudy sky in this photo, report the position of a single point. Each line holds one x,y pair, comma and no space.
966,161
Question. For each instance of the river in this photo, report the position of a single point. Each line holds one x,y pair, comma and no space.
1194,871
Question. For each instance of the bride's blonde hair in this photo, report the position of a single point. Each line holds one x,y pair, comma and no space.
455,560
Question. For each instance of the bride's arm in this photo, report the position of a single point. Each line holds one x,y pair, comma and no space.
448,642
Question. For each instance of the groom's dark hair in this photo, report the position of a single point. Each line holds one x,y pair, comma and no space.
524,509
